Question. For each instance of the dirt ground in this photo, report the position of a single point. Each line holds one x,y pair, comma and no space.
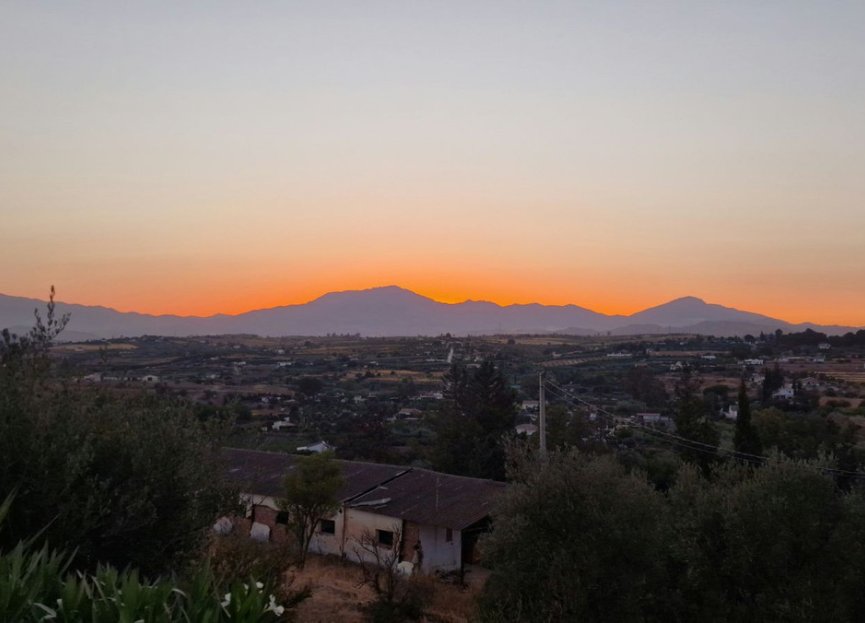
339,595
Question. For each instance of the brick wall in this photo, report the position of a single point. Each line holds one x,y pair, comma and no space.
267,516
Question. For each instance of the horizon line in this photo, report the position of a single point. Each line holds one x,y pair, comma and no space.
430,298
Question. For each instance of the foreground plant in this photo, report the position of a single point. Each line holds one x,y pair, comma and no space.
36,585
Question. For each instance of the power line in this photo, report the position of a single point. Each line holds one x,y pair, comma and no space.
684,442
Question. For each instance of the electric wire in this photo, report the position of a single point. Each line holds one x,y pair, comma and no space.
673,439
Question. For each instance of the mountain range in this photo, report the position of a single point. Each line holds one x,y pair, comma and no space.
395,311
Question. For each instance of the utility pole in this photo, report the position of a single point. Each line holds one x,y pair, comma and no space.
542,415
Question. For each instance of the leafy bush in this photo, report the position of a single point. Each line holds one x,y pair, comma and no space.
124,479
35,585
236,557
577,538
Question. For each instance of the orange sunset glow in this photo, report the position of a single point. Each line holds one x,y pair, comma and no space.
615,160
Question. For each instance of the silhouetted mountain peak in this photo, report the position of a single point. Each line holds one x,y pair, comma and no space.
395,311
381,293
687,300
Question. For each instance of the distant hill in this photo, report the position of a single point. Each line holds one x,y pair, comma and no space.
394,311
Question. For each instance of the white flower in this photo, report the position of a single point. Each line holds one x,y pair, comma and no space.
259,585
273,607
226,600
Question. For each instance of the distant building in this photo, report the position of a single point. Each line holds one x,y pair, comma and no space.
656,420
785,393
731,412
409,414
526,429
316,448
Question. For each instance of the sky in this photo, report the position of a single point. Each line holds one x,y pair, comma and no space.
204,157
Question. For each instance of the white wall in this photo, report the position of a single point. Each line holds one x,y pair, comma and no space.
359,522
324,543
321,543
438,553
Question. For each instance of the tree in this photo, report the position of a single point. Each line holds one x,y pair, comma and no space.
578,538
379,562
309,385
479,415
773,379
693,425
311,494
770,543
745,438
125,479
644,386
570,429
574,538
399,597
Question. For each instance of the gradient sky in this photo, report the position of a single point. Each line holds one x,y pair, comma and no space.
201,157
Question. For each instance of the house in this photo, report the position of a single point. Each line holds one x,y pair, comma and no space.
260,477
656,420
280,424
409,413
526,429
316,448
440,515
785,393
149,378
731,412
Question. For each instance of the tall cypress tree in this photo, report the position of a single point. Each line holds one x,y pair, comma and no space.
746,439
479,413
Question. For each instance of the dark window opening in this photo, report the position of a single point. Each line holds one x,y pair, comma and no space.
282,517
385,537
327,526
449,535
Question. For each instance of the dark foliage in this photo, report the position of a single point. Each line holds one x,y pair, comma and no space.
578,538
472,428
124,479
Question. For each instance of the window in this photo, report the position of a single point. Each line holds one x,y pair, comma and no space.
327,526
449,535
282,517
384,537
